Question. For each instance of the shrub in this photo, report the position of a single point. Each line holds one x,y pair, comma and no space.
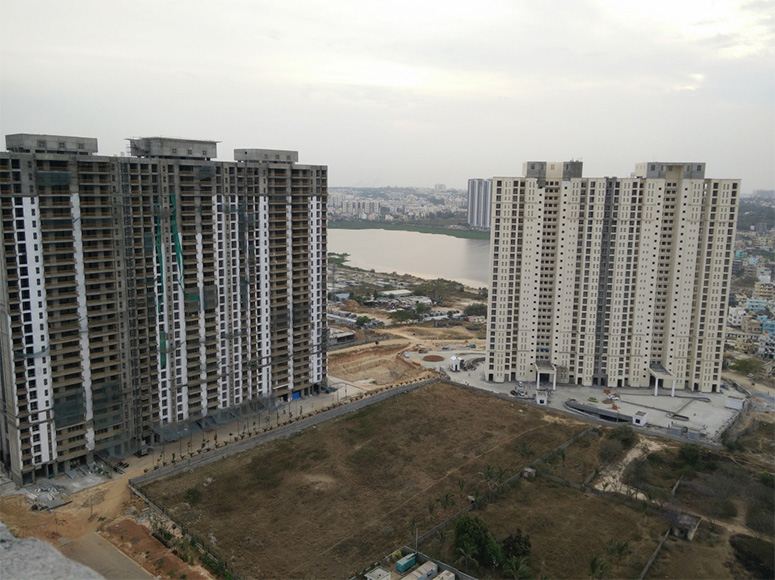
609,450
690,454
767,479
655,458
193,495
624,435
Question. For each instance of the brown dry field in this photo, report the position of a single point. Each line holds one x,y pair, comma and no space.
325,503
567,527
708,556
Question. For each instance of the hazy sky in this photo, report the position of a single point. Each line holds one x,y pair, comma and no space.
406,92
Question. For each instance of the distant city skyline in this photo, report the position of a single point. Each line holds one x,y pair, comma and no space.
406,94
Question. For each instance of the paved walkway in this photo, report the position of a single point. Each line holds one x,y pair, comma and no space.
97,553
709,416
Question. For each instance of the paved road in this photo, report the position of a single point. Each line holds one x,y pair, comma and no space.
97,553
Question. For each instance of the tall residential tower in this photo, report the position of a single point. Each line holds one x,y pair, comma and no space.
479,198
143,294
611,281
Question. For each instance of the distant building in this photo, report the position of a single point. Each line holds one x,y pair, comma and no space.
735,317
764,290
610,281
756,304
751,325
479,201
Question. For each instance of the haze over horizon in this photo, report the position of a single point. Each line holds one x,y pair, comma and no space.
406,93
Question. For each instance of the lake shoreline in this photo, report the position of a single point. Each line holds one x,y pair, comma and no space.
424,255
440,230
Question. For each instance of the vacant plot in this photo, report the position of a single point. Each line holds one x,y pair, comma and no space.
708,556
379,365
566,528
324,503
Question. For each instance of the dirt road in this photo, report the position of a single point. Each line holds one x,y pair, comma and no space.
97,553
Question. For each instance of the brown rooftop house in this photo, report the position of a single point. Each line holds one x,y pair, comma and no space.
685,526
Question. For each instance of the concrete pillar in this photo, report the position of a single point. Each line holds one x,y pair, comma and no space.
656,385
538,379
554,381
672,393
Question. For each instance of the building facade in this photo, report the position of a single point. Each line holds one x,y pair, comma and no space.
147,293
479,203
611,281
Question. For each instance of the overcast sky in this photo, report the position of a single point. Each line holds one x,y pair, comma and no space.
406,92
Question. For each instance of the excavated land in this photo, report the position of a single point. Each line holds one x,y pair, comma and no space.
379,365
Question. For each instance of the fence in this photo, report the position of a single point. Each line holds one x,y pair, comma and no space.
278,432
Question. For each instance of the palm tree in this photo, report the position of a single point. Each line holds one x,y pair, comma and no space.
488,476
597,568
466,554
461,486
443,536
476,496
517,568
617,548
562,457
446,501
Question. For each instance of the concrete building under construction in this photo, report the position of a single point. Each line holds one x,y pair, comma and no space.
143,292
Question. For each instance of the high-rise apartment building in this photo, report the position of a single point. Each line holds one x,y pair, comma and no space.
142,294
611,281
479,198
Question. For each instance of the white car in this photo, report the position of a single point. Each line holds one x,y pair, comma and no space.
613,397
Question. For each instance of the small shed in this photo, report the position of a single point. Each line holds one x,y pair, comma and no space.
454,363
378,574
527,473
542,398
640,418
685,526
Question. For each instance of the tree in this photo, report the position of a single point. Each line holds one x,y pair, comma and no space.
467,555
473,531
609,450
438,290
525,451
403,315
518,568
747,366
516,545
443,535
362,321
475,309
625,435
446,501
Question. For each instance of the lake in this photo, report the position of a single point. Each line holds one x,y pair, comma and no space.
424,255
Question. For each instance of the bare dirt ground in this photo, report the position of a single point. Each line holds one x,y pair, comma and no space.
378,365
382,364
611,477
97,510
326,502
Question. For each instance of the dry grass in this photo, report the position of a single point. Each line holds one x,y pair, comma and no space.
325,503
567,527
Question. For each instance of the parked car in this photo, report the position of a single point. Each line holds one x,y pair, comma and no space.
514,393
